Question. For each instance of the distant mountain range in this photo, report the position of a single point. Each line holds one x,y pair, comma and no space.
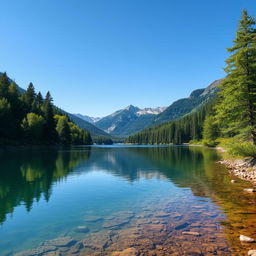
88,118
131,119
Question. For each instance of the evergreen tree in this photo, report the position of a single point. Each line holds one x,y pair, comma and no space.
6,119
50,133
28,97
4,84
210,131
236,108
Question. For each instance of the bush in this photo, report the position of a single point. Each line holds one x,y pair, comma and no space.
243,149
209,143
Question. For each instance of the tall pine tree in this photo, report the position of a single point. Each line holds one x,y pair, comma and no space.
236,107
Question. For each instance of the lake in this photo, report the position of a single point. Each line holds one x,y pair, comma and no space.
122,200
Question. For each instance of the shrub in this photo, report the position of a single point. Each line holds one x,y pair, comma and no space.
244,149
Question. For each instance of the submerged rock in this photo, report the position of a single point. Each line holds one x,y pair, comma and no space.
126,252
98,240
60,242
82,229
191,233
38,251
246,239
92,218
162,214
181,226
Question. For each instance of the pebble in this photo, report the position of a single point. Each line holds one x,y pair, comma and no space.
250,190
252,252
246,239
191,233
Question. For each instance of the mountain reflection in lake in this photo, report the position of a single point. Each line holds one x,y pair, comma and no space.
106,200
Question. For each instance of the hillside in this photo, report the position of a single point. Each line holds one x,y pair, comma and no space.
93,130
184,106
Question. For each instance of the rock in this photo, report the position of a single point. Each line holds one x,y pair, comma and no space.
182,226
118,221
162,214
250,190
252,252
100,240
246,239
55,253
191,233
82,229
38,251
126,252
60,242
92,218
233,181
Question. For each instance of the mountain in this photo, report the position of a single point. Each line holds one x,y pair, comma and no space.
129,120
89,119
94,131
184,106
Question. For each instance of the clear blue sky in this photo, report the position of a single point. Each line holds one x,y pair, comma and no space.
97,56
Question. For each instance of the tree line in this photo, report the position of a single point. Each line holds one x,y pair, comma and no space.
232,114
30,118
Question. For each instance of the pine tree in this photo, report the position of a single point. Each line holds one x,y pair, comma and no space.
28,97
4,84
236,107
50,133
210,131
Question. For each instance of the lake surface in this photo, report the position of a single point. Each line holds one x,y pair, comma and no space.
103,200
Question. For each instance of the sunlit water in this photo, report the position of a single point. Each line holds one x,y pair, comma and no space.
138,197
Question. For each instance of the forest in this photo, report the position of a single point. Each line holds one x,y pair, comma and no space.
30,119
231,116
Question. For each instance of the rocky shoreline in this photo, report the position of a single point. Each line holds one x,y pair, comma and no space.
244,169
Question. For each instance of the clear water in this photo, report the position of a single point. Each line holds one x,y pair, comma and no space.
48,193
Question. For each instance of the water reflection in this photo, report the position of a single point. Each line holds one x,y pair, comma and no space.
28,176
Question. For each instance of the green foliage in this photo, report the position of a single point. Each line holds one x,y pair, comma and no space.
210,131
33,126
244,149
63,129
236,108
29,118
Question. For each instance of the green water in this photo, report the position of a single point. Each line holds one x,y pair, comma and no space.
45,194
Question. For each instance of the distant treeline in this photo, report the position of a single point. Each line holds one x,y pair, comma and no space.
185,129
30,118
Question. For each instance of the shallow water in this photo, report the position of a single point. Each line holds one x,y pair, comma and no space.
118,197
